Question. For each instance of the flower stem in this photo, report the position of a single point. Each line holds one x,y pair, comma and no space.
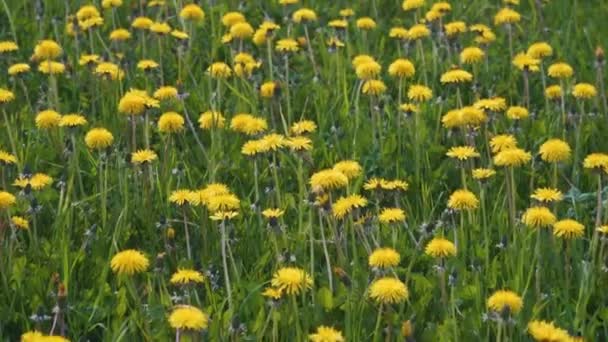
225,265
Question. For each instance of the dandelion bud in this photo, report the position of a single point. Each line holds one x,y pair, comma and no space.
170,233
599,54
407,329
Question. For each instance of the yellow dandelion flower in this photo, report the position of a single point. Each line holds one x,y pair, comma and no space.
454,28
396,184
502,142
231,18
555,151
51,68
538,217
440,248
181,35
345,205
540,50
143,156
38,181
109,70
160,28
482,174
326,334
98,138
366,23
384,258
223,202
409,5
494,104
350,168
47,49
388,290
463,199
553,92
472,55
391,215
248,124
241,30
338,24
111,3
560,70
328,179
186,276
409,108
89,60
419,93
185,196
291,280
72,120
211,119
120,35
147,64
129,262
273,213
506,16
517,113
399,33
542,331
462,152
602,229
18,68
361,59
142,23
170,122
212,190
219,70
584,91
303,127
272,293
547,195
418,31
287,45
402,68
269,89
47,119
165,93
6,199
7,158
596,161
188,318
502,299
8,46
304,15
192,12
6,96
368,70
20,222
523,61
374,87
512,157
568,229
299,143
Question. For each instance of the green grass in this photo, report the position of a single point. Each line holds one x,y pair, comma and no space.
99,203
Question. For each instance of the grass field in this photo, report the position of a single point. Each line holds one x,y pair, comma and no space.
284,170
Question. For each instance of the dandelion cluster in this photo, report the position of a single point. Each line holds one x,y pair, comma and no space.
302,170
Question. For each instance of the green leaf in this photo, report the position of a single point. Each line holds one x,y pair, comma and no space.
325,297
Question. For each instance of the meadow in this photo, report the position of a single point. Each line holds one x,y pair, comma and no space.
303,170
